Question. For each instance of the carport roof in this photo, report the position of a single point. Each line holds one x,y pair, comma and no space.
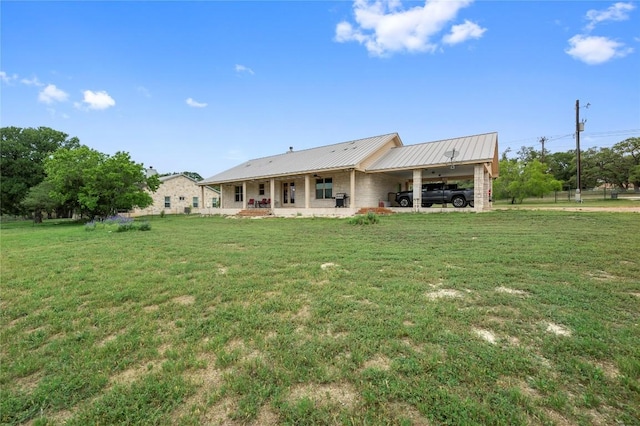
468,149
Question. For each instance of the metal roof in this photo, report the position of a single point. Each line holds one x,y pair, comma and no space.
329,157
468,149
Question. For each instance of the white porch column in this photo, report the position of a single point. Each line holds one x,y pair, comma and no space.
352,188
203,204
417,190
307,191
272,191
244,195
479,190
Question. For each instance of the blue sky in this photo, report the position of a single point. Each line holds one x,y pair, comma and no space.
202,86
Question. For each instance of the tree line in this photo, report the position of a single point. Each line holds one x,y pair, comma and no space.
534,173
44,170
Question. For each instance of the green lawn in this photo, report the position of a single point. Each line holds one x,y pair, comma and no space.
509,317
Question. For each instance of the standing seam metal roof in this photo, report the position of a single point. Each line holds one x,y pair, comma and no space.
467,149
337,156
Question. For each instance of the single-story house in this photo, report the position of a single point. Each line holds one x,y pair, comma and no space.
180,193
340,179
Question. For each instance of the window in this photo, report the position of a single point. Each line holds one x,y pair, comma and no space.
214,202
324,188
261,189
167,202
239,196
195,202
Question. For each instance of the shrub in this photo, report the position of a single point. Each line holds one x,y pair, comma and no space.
144,226
368,219
162,213
90,226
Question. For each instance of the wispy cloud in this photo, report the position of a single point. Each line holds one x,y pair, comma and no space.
6,78
51,94
616,12
595,50
243,69
97,100
463,32
31,82
385,27
195,104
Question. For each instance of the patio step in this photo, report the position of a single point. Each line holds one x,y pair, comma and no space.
255,212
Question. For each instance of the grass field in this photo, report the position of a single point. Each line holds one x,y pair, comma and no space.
501,318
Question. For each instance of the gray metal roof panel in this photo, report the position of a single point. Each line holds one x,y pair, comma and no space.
468,149
341,155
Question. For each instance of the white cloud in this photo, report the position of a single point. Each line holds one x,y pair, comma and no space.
195,104
463,32
594,50
32,82
6,78
98,100
617,12
242,68
51,94
385,27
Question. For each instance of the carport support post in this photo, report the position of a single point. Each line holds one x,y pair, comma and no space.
352,187
417,190
480,190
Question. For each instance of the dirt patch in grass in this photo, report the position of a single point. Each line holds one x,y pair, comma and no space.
30,382
132,374
304,314
151,308
610,371
522,386
327,265
219,413
342,394
266,417
558,330
402,411
109,338
379,362
184,300
486,335
444,293
508,290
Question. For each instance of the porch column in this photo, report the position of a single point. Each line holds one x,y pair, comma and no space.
352,188
307,191
244,195
203,205
417,190
488,188
479,190
272,191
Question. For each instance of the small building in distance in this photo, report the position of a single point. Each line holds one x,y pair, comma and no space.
179,194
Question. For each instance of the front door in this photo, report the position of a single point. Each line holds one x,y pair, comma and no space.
288,193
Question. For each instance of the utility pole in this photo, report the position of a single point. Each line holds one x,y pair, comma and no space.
578,183
542,141
579,128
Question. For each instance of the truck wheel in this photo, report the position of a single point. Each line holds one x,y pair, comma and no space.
404,202
458,201
428,204
470,203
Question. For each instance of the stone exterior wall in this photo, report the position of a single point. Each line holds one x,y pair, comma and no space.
181,191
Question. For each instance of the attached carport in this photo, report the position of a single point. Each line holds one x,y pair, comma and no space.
471,157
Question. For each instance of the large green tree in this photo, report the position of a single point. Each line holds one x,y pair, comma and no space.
519,180
39,200
98,185
22,155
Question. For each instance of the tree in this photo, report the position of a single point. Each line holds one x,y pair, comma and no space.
22,156
630,148
39,200
98,185
193,175
519,180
